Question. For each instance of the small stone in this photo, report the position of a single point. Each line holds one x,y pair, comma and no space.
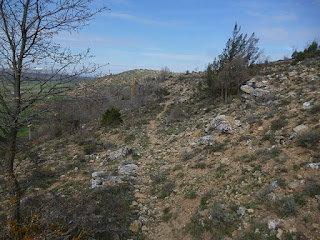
300,128
135,226
217,153
100,174
250,211
314,166
293,185
292,136
224,160
260,128
317,197
274,224
144,229
206,140
241,211
279,233
237,123
292,230
273,185
76,169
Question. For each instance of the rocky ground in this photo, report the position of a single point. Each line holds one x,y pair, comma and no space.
197,168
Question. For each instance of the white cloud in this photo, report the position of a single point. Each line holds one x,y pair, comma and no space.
178,56
85,40
278,17
133,18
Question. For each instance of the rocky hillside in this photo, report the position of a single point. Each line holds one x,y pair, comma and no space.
191,167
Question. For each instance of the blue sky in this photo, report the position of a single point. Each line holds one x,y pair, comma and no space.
188,34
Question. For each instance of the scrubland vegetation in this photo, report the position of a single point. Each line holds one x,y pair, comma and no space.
229,153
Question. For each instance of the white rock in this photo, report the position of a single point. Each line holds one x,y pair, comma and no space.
100,174
206,140
314,166
127,169
121,153
246,89
237,123
274,224
300,128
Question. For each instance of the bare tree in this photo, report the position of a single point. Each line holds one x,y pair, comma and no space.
27,30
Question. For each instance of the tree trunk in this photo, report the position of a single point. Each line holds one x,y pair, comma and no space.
13,216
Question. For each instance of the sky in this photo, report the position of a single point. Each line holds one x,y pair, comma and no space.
187,34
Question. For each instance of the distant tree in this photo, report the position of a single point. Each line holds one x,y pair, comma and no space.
230,69
313,50
164,73
27,30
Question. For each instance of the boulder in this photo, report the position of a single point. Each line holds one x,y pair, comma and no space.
100,174
307,105
314,166
300,128
220,123
127,169
247,89
206,140
259,93
121,153
224,128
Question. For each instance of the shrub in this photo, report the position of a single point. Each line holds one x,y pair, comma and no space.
191,194
286,207
313,50
278,124
89,149
312,188
309,139
111,118
315,109
167,189
186,155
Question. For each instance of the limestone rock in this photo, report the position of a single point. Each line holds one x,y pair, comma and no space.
220,123
274,224
300,128
127,169
241,210
100,174
246,89
307,105
121,153
314,166
293,185
206,140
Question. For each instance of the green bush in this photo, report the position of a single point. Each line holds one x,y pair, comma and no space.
286,207
309,139
278,124
89,149
313,50
312,188
111,118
